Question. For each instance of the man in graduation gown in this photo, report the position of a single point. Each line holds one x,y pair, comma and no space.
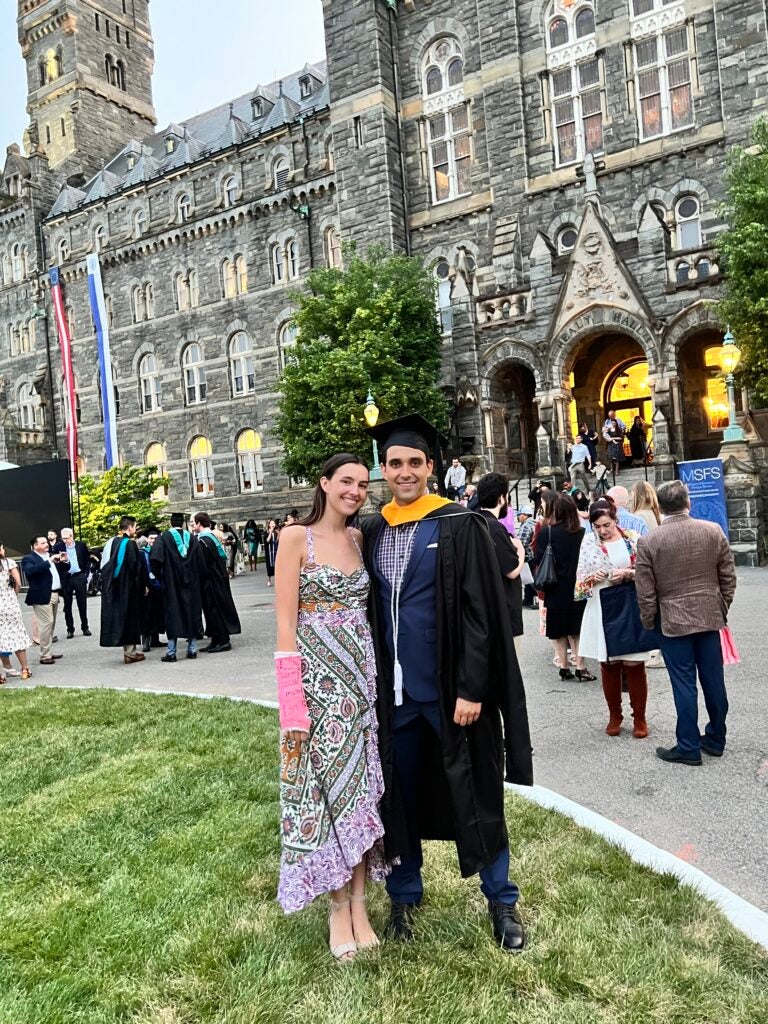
221,620
152,616
448,678
174,564
124,584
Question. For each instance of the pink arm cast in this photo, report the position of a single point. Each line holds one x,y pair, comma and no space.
290,693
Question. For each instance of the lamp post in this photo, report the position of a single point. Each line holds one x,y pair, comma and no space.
371,414
730,360
41,314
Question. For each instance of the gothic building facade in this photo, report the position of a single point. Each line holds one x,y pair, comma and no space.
559,164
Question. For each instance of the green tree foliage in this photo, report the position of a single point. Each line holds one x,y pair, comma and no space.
744,252
121,491
372,324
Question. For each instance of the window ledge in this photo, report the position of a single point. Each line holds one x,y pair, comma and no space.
452,208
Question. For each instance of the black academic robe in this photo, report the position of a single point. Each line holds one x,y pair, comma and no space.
221,617
180,582
462,795
121,596
151,614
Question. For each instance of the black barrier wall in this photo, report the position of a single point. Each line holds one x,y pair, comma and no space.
33,499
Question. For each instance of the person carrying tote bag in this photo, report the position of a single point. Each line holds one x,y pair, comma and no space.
607,561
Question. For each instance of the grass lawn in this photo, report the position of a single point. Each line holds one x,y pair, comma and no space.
138,860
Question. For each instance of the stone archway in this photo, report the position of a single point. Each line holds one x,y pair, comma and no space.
510,414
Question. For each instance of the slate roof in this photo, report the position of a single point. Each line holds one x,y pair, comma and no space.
223,126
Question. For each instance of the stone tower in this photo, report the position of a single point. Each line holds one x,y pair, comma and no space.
362,51
89,78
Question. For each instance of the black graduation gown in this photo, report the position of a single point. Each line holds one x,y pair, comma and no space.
462,794
180,585
221,617
121,598
151,616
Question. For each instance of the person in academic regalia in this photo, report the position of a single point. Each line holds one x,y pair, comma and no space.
448,677
221,620
175,565
124,583
152,618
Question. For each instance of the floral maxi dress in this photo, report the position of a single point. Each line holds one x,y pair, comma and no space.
331,785
13,635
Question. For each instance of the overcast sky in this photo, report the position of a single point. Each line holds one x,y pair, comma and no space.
200,60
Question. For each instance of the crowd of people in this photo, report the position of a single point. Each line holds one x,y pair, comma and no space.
402,705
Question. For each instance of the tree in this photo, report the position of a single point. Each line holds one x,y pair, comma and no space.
744,252
121,491
372,325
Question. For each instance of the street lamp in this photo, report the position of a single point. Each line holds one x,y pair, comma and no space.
729,361
371,414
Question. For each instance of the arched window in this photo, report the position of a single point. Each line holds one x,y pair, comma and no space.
280,172
442,271
250,470
69,313
65,400
703,269
157,456
278,264
688,223
30,408
195,386
149,384
292,259
566,239
201,467
228,279
7,275
286,341
241,365
230,191
18,261
663,72
99,238
682,272
330,157
576,83
182,291
149,300
241,274
138,304
332,248
450,148
139,223
62,250
183,208
193,284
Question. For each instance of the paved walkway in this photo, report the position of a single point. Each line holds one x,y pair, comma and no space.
716,816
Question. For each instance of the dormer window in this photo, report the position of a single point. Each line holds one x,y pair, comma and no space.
305,87
257,108
131,161
170,144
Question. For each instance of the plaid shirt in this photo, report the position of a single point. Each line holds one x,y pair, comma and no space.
525,536
395,550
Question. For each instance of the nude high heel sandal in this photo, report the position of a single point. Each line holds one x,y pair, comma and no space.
347,950
364,945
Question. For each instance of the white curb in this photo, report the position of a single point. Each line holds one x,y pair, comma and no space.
748,918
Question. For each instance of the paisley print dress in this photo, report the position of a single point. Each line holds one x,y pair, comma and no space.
331,785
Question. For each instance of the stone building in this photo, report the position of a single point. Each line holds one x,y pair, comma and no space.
558,163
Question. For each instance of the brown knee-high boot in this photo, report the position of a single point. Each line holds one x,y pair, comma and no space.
638,696
610,673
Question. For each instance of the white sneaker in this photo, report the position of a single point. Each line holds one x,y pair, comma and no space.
655,660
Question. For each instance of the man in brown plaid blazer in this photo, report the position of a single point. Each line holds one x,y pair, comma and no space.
685,577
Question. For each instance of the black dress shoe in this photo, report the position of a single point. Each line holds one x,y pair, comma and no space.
400,924
168,657
219,648
712,751
87,632
192,655
54,639
674,755
507,926
70,634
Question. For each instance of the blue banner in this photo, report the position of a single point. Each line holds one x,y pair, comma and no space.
705,480
100,319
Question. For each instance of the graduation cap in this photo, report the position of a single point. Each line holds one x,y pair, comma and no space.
411,431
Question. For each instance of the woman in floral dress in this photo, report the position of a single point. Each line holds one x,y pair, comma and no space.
13,635
331,782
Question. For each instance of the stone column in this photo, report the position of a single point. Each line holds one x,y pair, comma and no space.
744,499
548,468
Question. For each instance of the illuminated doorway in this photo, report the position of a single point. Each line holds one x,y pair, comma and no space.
627,390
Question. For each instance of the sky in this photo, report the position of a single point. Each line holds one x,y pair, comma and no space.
200,61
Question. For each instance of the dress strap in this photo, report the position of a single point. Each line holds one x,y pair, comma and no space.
310,547
352,537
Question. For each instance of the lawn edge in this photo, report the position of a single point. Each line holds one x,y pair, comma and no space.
745,916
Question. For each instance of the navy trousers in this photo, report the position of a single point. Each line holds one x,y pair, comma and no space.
404,884
683,656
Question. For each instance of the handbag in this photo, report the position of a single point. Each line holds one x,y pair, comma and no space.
546,574
731,655
526,576
624,632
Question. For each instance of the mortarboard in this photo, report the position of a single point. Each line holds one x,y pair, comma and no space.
411,431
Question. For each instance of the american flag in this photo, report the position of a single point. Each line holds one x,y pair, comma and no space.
65,344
